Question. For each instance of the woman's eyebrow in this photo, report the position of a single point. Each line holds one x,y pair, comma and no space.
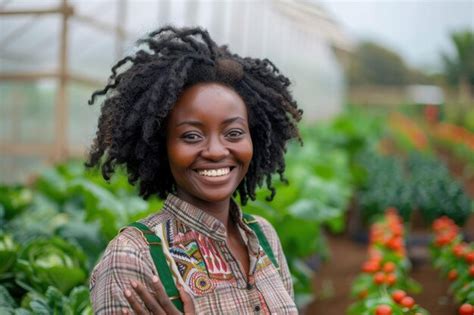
233,119
195,123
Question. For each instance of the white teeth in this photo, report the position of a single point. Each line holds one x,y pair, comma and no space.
215,172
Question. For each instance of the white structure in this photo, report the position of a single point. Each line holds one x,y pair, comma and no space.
425,94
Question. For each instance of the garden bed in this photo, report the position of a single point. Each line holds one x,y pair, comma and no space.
332,283
334,279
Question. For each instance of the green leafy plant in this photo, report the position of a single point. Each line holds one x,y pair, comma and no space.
52,302
435,192
420,182
384,186
14,199
51,262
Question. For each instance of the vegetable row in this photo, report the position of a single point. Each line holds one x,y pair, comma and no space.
383,287
419,182
455,260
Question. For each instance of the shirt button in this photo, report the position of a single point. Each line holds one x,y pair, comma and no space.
249,286
257,308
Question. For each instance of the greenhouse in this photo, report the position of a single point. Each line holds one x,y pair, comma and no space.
352,168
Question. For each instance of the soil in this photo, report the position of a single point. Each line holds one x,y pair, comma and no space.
332,283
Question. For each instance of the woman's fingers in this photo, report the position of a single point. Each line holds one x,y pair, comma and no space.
158,303
134,303
162,297
187,301
150,301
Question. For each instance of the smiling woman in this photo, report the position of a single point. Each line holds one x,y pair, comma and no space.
197,125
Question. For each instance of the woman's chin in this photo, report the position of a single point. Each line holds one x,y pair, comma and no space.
217,196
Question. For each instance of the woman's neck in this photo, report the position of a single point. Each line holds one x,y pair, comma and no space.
218,209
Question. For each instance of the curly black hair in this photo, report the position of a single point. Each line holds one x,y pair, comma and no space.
144,87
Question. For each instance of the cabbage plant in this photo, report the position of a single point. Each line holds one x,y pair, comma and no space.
51,262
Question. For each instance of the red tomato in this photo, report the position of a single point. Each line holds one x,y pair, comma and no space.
466,309
398,295
407,301
389,267
397,230
395,243
438,225
390,279
383,309
459,249
379,278
452,274
370,266
470,257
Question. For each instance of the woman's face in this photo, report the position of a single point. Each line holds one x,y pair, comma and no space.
208,143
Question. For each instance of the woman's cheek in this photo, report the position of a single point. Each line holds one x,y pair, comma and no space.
246,153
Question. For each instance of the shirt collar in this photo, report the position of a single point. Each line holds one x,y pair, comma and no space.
205,223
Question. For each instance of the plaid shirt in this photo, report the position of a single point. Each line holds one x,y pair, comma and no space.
195,245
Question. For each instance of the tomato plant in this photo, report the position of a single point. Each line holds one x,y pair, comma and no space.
382,286
455,259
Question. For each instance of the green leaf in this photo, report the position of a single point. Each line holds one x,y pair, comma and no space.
52,184
79,299
101,205
6,299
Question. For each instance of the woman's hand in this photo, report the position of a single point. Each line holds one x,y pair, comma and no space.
157,303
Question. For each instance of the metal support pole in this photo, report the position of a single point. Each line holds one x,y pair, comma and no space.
61,110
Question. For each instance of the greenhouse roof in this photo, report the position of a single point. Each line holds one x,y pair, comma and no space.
30,43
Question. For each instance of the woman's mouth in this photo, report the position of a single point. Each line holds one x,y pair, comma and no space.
217,172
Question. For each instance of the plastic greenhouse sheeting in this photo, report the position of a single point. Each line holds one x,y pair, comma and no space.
299,38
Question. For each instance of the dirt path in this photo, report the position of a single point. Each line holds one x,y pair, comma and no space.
434,296
336,276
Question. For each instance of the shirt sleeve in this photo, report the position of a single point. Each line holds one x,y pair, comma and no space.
275,243
126,258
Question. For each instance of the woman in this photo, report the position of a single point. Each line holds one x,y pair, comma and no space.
196,125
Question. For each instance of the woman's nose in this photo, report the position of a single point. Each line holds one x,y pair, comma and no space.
215,150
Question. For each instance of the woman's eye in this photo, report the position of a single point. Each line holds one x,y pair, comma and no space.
191,137
234,134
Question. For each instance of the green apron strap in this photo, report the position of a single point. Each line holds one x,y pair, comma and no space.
253,224
162,267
